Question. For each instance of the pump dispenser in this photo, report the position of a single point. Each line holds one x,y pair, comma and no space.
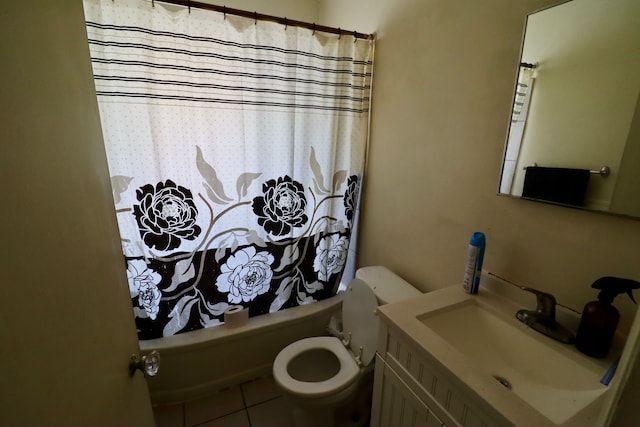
600,318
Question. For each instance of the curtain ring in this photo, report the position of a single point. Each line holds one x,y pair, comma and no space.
314,29
285,23
355,36
224,12
189,5
153,3
255,18
339,33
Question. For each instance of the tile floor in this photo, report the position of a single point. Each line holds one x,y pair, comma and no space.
257,403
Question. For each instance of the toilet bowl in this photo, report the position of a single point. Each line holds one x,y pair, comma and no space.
328,380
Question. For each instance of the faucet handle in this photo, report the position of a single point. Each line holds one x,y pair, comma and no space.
546,302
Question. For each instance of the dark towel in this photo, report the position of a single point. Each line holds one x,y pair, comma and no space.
558,185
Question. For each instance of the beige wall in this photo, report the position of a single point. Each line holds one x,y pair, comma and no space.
443,82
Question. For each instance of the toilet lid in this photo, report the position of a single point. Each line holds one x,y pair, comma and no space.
359,318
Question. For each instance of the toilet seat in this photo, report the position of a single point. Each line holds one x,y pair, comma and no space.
346,375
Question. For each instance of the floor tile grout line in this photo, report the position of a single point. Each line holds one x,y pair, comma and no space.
263,401
245,408
220,417
244,404
257,402
244,401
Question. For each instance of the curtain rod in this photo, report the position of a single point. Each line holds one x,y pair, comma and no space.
262,17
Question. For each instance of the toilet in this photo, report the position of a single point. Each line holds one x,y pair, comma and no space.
328,381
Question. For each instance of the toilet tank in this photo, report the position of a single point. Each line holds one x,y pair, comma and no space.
388,286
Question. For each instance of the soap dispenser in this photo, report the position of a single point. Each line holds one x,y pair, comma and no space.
600,318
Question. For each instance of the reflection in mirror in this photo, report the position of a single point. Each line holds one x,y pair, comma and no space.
574,137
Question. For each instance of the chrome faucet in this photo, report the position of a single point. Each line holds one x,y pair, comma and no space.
543,319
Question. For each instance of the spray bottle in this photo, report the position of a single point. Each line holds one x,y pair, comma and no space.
600,318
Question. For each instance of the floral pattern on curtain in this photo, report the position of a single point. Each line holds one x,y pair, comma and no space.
236,151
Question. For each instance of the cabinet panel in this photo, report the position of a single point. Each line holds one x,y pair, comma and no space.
431,387
400,407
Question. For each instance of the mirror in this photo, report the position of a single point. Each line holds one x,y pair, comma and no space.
574,135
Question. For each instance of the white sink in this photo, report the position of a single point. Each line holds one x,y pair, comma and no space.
553,381
529,378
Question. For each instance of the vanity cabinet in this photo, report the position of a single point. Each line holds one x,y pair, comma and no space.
397,405
410,389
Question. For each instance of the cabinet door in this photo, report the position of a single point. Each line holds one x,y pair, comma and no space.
399,406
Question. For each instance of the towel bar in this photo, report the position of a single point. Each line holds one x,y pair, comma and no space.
604,171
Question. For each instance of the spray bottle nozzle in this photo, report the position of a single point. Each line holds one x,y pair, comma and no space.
610,287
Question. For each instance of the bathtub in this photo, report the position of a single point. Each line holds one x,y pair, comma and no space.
196,363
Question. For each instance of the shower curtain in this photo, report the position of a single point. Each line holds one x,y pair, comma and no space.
236,149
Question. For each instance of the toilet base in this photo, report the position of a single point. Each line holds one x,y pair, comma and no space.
354,411
357,413
312,417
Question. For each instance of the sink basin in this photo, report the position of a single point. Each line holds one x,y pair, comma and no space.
549,376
